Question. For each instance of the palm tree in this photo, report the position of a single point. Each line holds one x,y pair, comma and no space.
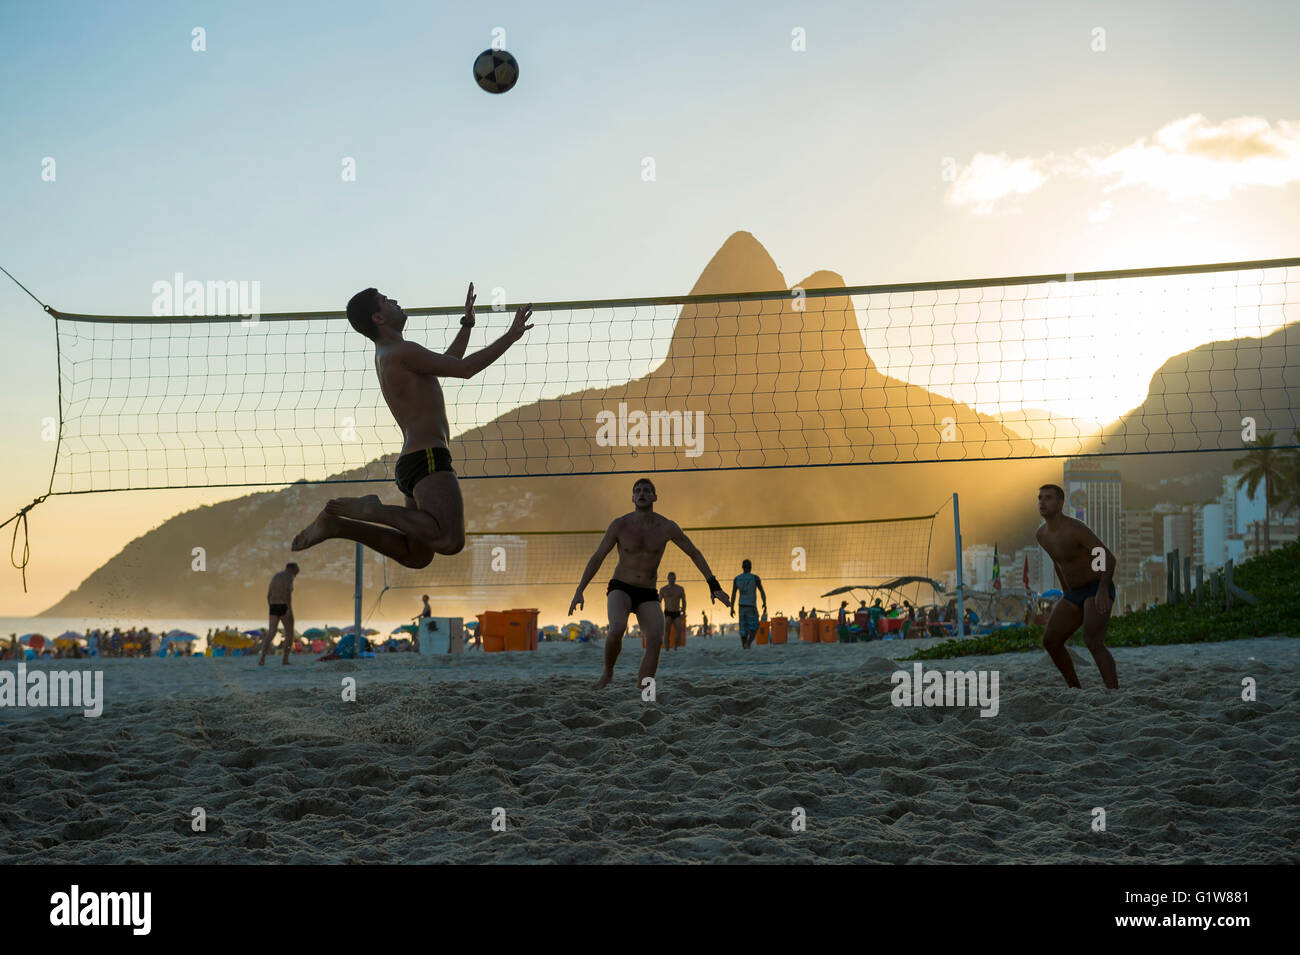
1264,463
1290,492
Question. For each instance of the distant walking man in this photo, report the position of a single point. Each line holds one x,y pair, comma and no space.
433,519
641,536
1085,567
279,594
674,597
746,584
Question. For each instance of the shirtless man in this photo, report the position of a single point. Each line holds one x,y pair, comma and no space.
674,597
1074,550
641,537
433,519
279,594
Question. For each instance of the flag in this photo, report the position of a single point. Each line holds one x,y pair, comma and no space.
1026,577
997,574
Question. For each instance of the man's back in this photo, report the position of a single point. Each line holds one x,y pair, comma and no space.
746,589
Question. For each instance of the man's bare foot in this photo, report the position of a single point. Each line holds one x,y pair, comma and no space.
323,528
363,508
604,679
262,662
286,662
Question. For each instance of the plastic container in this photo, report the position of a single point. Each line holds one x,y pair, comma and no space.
827,627
764,629
780,630
492,631
529,616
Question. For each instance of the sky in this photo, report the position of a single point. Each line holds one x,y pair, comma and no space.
887,142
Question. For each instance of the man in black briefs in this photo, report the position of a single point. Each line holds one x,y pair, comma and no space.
279,595
1088,589
673,595
641,536
433,520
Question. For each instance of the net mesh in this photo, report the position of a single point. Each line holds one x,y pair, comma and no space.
971,370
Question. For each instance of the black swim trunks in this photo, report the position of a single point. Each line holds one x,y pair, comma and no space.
413,467
672,614
639,595
279,610
1079,595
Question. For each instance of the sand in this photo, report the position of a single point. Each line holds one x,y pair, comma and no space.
710,772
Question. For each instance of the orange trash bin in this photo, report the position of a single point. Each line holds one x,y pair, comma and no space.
828,630
528,618
780,630
764,628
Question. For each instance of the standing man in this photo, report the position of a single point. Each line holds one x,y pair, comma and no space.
641,536
747,585
433,520
674,597
1085,567
279,594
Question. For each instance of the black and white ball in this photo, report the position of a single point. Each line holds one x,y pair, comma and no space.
496,71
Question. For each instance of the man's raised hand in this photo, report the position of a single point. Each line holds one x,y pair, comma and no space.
522,315
577,602
469,305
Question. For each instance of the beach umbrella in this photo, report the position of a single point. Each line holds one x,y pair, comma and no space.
335,631
253,633
1051,593
404,628
70,635
313,632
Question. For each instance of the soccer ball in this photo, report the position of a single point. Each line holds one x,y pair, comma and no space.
496,71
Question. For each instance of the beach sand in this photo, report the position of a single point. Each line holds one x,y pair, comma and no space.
710,772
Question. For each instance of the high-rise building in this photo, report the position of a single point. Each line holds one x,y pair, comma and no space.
1245,508
1136,541
1215,539
1176,530
1095,496
977,566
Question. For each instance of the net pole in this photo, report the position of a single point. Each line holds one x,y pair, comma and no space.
356,605
956,528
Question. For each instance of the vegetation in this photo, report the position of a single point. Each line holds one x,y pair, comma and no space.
1273,579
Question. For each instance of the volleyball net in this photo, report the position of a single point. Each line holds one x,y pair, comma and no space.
795,560
1047,365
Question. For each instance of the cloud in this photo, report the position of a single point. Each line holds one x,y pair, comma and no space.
1191,158
988,179
1188,158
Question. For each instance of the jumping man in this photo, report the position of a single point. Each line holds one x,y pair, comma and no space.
279,594
1075,550
433,520
641,536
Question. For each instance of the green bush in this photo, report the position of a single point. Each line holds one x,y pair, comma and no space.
1273,579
